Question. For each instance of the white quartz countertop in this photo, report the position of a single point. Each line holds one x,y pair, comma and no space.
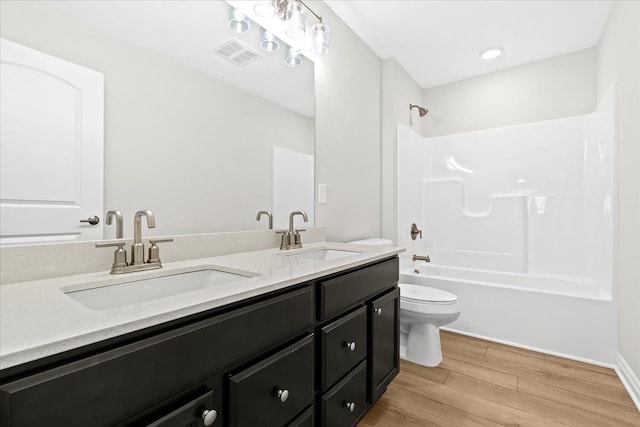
38,319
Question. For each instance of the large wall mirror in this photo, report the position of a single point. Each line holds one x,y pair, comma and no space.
201,141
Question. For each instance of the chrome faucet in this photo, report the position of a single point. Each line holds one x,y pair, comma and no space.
287,235
138,262
421,258
267,213
118,217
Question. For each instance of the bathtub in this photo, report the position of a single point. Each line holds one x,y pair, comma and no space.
567,317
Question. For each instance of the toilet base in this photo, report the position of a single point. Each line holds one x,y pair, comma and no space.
422,344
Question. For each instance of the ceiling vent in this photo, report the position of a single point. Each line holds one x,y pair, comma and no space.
236,52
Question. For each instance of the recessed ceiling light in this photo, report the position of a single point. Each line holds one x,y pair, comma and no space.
491,53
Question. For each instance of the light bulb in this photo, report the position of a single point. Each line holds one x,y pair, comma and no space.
320,37
295,20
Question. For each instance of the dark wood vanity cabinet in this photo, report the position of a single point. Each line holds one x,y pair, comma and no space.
317,355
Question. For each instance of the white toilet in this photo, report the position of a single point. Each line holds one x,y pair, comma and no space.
423,310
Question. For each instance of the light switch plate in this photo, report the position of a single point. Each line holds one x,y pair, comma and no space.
322,193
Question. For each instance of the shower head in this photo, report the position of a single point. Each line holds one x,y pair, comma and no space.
421,110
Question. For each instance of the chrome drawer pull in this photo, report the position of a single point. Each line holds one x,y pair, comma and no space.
209,416
351,406
378,311
351,346
283,395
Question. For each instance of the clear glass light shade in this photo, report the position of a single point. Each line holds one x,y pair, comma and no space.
320,39
238,21
268,41
293,57
295,20
266,9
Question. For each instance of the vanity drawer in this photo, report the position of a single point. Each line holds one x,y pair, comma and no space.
273,391
340,293
109,387
344,345
199,411
345,403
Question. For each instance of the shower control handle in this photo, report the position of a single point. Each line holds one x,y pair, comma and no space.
415,232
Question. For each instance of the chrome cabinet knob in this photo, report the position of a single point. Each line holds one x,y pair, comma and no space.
283,395
351,406
209,416
351,346
378,311
93,220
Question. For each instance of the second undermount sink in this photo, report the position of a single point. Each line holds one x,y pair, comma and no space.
326,254
137,291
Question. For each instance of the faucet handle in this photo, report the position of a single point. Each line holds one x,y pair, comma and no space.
154,250
120,255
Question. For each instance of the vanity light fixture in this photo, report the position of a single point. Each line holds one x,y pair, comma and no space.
238,22
491,53
293,57
268,41
292,12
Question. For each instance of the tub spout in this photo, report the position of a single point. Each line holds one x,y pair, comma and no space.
421,258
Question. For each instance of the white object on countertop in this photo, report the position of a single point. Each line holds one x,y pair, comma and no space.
373,241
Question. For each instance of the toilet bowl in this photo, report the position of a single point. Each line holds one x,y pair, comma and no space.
423,310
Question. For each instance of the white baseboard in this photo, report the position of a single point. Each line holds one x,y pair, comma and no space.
536,349
629,379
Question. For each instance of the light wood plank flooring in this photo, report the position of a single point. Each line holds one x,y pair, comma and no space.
481,383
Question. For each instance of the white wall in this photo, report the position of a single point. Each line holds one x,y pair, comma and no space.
348,159
398,91
549,89
619,60
193,149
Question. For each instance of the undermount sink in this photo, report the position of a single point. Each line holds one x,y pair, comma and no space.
326,254
132,292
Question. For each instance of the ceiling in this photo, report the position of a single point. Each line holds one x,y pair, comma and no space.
439,42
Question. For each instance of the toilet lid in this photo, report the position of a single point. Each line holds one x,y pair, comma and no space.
424,293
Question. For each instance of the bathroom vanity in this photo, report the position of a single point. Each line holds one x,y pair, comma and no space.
306,343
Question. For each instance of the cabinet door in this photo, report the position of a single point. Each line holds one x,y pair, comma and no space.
273,391
384,342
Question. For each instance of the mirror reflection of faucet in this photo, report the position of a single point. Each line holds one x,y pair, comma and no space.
138,263
268,214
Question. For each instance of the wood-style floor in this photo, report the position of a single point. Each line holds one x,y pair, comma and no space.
481,383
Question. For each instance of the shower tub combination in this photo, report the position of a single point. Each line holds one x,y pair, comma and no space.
519,224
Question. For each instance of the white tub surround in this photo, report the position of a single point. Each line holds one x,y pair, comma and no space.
519,223
37,318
